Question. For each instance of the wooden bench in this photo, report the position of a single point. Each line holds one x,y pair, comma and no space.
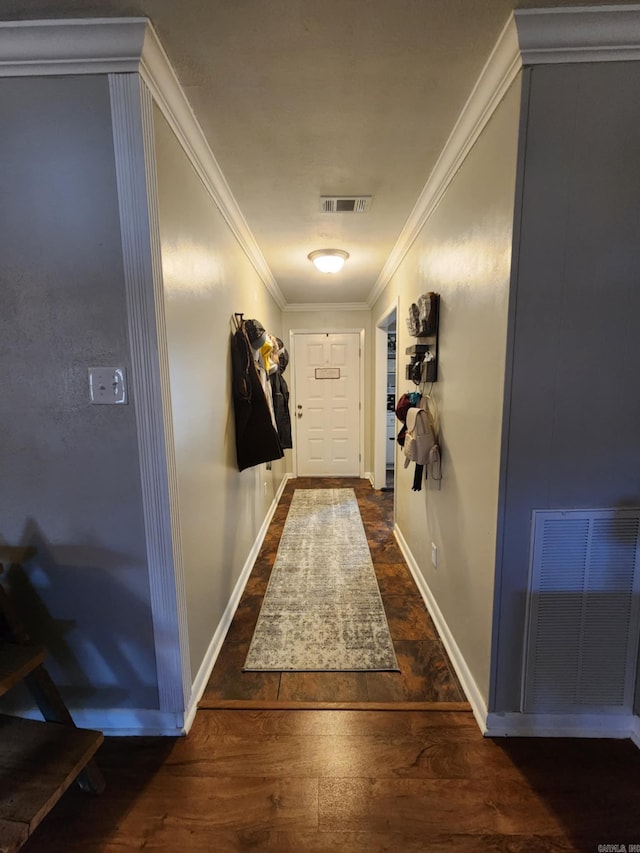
39,759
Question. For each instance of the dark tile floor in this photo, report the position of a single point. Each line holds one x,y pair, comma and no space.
426,674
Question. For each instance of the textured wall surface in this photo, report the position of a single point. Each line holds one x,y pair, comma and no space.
70,478
207,277
464,254
574,410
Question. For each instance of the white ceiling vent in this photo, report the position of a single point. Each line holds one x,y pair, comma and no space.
345,204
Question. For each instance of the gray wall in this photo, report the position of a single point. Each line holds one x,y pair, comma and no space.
69,476
464,253
573,424
207,277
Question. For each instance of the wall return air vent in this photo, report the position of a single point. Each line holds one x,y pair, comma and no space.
584,619
345,204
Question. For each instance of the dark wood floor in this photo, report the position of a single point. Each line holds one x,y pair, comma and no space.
350,782
426,674
325,781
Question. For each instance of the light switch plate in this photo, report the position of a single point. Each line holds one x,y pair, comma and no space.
107,385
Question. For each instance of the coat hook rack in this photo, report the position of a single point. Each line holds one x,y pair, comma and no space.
423,324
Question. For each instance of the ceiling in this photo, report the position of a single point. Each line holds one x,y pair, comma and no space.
304,98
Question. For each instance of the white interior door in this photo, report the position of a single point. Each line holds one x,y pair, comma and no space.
327,404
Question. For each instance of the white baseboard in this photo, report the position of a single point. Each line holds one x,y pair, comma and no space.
368,475
617,726
206,667
130,722
121,722
472,692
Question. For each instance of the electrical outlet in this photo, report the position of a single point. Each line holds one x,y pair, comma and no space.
434,555
107,385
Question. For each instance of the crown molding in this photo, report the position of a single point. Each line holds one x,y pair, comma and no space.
129,45
530,37
75,46
496,77
578,34
158,74
298,307
122,45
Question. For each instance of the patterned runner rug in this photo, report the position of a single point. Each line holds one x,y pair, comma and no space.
322,610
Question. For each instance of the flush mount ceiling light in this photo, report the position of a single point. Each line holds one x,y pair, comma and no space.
328,260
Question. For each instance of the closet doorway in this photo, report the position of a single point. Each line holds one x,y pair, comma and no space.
385,400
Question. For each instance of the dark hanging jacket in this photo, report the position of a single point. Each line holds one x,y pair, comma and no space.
256,438
281,408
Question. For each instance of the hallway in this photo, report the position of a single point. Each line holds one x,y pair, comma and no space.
416,776
426,674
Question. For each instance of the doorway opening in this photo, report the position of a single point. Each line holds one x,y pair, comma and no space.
385,401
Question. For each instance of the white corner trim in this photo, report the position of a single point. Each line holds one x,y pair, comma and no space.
339,307
128,45
496,77
132,122
362,395
579,34
618,726
211,656
472,692
73,46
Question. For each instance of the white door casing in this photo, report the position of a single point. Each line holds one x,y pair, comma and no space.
381,443
326,411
